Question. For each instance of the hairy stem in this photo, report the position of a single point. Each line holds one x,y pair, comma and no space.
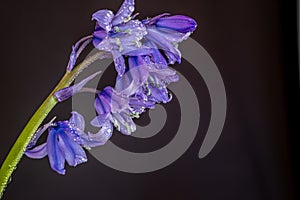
18,149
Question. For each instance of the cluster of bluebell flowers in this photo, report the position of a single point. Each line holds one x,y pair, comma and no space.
142,51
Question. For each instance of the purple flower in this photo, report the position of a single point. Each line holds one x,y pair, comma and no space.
65,142
113,110
145,84
119,34
165,32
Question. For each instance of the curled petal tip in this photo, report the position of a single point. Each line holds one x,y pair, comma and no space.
124,12
103,18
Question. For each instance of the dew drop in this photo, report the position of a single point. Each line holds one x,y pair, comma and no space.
131,8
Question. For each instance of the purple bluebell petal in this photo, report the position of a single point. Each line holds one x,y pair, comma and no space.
173,36
56,157
160,40
119,62
171,79
173,57
77,120
68,92
127,36
104,19
37,152
101,137
178,23
99,120
156,56
98,37
116,101
134,78
73,152
159,94
137,51
123,123
139,105
162,73
102,105
124,12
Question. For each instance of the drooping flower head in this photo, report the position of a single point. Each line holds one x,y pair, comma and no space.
165,32
142,52
145,84
119,34
65,142
113,111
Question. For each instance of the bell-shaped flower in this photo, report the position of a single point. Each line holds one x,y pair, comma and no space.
113,110
145,84
119,34
65,142
165,32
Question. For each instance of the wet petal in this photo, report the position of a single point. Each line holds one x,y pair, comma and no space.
127,38
139,105
178,23
68,92
156,56
123,123
77,121
99,120
173,57
56,157
104,18
119,62
162,74
133,79
173,36
103,45
98,37
159,94
73,152
124,12
99,138
102,105
160,40
116,100
37,152
140,51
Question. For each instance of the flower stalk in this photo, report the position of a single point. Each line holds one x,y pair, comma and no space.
18,149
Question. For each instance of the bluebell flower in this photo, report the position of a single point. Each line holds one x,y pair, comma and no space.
165,32
113,111
65,142
119,34
145,84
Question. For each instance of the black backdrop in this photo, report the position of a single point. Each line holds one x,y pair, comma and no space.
254,44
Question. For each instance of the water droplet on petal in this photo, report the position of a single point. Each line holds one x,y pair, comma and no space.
131,8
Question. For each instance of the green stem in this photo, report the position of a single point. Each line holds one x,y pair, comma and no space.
17,151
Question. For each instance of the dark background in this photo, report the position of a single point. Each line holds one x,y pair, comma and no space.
253,43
